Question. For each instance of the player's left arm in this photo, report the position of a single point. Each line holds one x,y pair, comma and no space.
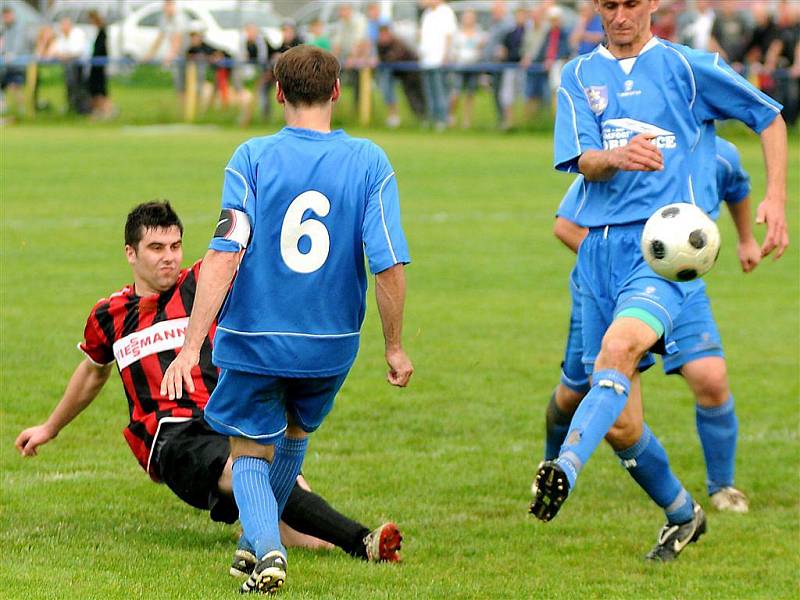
569,233
718,92
213,282
748,249
772,210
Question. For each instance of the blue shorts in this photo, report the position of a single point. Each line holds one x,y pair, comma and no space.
695,334
614,277
574,375
256,406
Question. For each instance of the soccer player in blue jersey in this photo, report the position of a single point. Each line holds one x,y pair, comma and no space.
636,118
700,359
299,208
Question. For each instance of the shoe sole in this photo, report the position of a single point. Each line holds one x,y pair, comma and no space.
269,581
552,488
390,543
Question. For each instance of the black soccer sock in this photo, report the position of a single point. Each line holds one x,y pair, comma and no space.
310,514
556,429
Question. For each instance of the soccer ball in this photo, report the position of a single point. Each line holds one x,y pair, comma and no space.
680,242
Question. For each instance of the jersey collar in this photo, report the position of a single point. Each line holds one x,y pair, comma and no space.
652,43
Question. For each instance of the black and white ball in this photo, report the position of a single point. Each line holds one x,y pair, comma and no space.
680,242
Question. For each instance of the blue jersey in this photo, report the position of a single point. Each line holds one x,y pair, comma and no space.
733,186
670,91
315,203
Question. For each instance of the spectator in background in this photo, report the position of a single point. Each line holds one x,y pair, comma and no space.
70,47
468,44
695,25
588,31
730,34
13,44
553,52
535,79
764,32
173,28
391,49
384,76
665,22
317,37
252,72
102,108
783,60
513,77
348,40
437,28
499,26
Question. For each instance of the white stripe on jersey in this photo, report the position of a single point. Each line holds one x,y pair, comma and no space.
383,216
244,183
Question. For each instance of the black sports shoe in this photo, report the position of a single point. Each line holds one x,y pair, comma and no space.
268,576
672,539
551,489
243,563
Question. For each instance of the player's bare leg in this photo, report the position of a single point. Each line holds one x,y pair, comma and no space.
717,427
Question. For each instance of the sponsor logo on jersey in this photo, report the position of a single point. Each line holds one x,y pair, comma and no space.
166,335
628,90
618,132
597,95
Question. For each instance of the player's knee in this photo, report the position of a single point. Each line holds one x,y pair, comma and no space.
567,400
618,352
709,382
247,447
624,433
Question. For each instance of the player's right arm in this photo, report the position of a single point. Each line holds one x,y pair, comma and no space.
83,387
578,143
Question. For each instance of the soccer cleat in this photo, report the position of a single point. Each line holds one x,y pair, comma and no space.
243,563
534,487
268,576
672,539
383,544
729,499
551,489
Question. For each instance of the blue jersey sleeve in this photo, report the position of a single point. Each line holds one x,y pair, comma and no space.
733,182
721,93
238,201
573,200
576,127
384,240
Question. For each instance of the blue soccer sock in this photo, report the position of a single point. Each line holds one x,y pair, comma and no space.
556,428
648,464
258,511
289,455
718,430
596,414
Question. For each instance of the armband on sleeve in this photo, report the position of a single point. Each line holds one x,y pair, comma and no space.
233,225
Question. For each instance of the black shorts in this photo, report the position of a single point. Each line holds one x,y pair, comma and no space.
190,458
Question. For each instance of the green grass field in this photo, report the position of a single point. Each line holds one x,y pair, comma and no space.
450,458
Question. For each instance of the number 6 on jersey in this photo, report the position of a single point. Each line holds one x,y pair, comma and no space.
294,228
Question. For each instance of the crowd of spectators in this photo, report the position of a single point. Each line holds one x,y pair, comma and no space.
515,55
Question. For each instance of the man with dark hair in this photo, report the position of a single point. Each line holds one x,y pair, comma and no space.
299,210
140,328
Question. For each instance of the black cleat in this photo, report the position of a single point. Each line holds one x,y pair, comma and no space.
268,576
551,489
243,563
672,539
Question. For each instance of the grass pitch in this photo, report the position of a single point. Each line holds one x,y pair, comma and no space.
450,459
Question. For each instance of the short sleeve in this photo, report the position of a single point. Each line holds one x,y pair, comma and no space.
382,233
572,200
97,348
724,94
238,202
576,128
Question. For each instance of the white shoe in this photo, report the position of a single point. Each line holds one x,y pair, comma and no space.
729,499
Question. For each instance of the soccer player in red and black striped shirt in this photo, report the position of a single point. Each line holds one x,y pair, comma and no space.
141,328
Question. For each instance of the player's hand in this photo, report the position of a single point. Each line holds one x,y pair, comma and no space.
749,254
179,373
29,440
400,367
773,213
639,154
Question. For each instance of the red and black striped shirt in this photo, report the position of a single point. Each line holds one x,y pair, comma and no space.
142,334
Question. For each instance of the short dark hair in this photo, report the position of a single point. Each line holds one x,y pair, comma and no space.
157,214
307,75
